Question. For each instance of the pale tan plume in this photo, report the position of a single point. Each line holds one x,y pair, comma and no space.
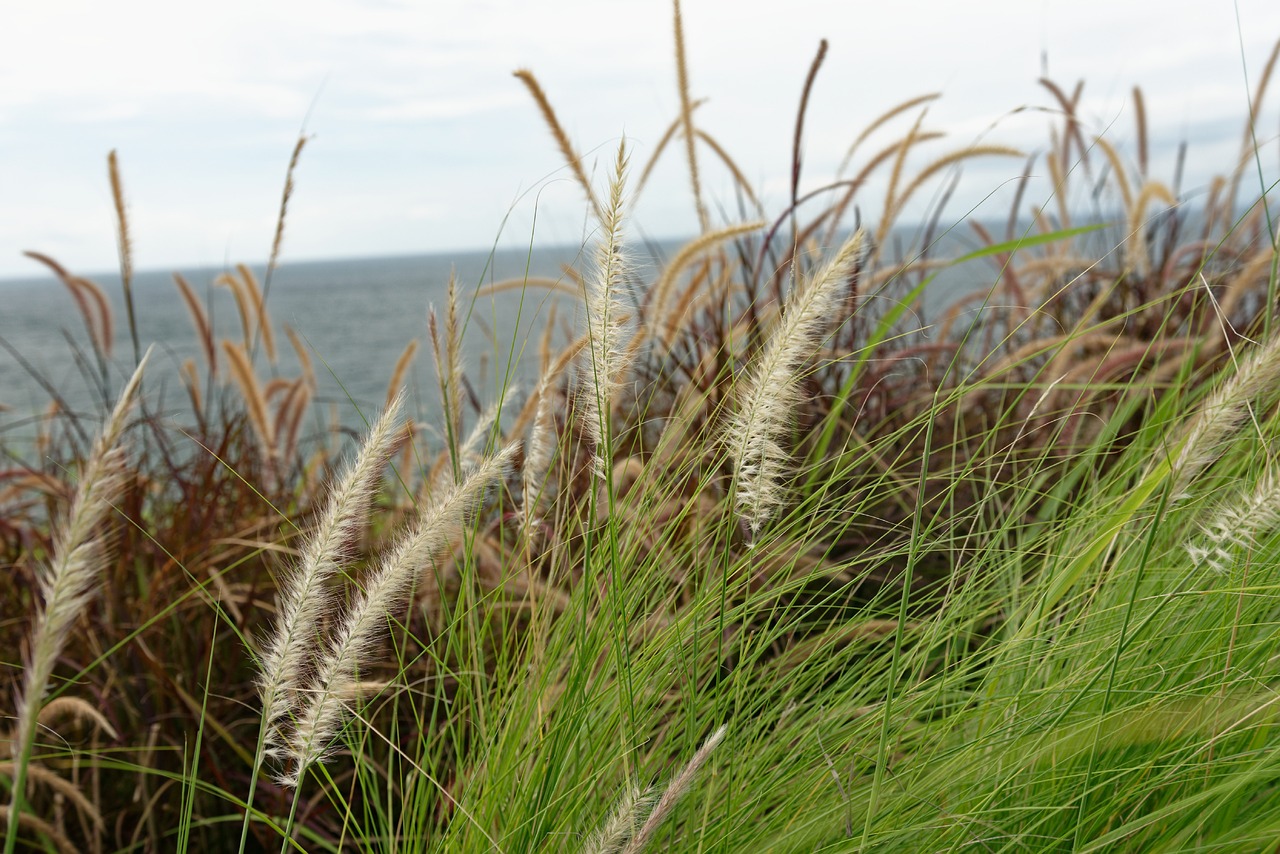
321,708
755,432
200,320
258,301
72,575
562,139
304,600
125,247
675,790
277,242
604,320
686,117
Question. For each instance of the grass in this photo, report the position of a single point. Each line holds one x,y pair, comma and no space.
761,562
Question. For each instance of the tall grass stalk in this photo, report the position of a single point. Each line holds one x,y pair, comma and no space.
287,654
69,581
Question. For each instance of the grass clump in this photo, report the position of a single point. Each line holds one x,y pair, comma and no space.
780,550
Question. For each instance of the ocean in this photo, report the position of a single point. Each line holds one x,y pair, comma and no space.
355,317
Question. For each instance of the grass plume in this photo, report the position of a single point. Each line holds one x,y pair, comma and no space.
1221,414
125,246
322,705
571,156
304,601
686,116
675,790
604,318
755,432
69,581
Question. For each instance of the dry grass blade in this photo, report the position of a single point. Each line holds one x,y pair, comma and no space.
755,431
73,708
42,776
48,831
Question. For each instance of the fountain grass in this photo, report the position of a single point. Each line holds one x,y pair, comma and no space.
1010,589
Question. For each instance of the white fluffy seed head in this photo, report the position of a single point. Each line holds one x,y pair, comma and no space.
1222,413
304,601
604,320
754,434
1237,525
323,706
675,790
79,555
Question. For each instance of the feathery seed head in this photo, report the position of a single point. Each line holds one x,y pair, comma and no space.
1237,525
622,824
754,433
1222,413
674,792
79,552
288,651
323,706
604,318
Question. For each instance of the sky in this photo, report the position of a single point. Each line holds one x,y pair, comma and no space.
422,141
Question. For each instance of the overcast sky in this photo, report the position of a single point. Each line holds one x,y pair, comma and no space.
424,142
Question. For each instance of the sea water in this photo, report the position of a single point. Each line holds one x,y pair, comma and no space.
354,317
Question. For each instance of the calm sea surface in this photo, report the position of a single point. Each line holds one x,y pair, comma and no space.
355,317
